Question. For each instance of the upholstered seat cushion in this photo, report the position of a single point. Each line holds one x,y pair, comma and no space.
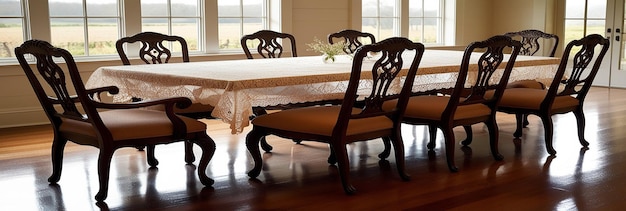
526,84
529,98
431,107
319,120
127,124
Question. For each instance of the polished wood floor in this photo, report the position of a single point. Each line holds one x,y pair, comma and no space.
297,177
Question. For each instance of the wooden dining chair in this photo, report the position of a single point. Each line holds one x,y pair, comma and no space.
532,41
353,39
269,44
580,61
339,125
532,45
465,105
154,49
82,119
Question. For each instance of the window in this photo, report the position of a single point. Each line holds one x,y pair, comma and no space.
380,18
237,18
173,17
90,28
419,20
85,27
12,21
425,21
584,17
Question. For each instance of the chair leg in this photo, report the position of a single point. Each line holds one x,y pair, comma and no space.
252,143
207,145
450,147
343,165
494,136
258,111
152,161
332,158
469,135
385,154
548,128
265,146
526,123
104,165
58,145
189,156
580,120
432,143
518,128
398,147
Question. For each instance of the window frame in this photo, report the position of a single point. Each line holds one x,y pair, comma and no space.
265,20
85,21
447,18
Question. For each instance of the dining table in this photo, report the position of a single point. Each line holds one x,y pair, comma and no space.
235,87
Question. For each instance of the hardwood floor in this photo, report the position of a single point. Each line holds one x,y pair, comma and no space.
297,177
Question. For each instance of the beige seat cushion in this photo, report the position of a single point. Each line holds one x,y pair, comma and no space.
526,84
131,124
319,120
529,98
432,107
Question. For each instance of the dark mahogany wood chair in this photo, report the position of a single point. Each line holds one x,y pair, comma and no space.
339,125
464,105
84,120
352,38
268,44
532,41
532,44
563,95
153,49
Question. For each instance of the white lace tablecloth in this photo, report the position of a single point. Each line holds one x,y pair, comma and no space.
233,87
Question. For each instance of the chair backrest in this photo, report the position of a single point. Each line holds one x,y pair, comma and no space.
385,72
351,38
580,73
269,45
530,40
490,55
53,77
152,50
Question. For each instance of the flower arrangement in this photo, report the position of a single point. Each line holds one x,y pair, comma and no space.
328,50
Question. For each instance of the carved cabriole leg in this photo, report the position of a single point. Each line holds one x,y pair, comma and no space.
450,147
343,165
58,146
104,165
332,158
264,145
470,135
494,136
208,149
518,130
432,130
258,111
252,143
580,120
548,128
152,161
385,154
189,156
398,147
